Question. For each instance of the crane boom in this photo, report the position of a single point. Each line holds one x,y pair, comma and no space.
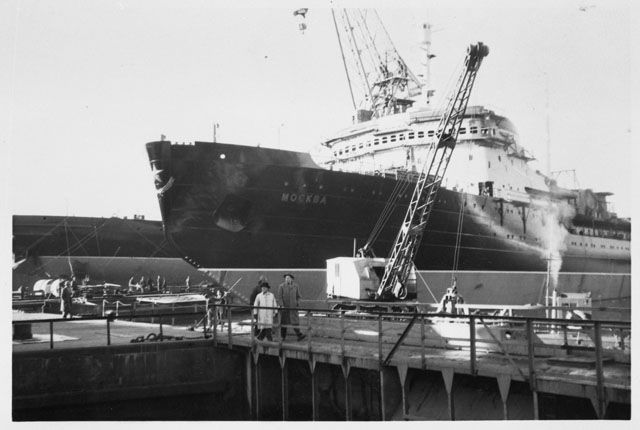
392,285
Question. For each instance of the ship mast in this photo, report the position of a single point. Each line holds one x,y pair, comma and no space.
380,82
427,91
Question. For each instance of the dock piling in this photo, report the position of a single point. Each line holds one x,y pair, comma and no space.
504,383
447,375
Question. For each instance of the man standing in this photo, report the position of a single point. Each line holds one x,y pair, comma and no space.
269,308
288,296
257,290
65,299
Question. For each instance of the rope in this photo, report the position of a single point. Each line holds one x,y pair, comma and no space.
399,189
66,234
456,255
428,289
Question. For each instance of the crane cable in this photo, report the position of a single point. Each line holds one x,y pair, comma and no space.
456,255
398,190
383,215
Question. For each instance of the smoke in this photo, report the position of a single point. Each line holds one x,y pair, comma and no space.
554,219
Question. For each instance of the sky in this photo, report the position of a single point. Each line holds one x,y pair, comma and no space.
85,84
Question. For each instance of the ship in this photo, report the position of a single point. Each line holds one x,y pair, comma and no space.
502,228
53,235
99,249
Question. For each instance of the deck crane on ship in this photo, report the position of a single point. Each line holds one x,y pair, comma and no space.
393,285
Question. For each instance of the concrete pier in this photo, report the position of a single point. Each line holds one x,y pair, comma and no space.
95,371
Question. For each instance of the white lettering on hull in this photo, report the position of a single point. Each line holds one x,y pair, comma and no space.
314,199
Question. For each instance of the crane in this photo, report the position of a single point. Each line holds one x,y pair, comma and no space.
416,218
342,272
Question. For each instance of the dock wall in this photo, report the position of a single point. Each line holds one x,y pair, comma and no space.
199,380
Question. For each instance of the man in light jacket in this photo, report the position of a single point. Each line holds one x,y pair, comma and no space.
267,301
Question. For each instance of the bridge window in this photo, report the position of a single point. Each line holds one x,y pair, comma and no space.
393,138
463,130
401,136
384,139
411,135
430,133
473,130
420,134
376,141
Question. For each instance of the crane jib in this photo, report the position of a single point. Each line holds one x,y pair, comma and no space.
397,269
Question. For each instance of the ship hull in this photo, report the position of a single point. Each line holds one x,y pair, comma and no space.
49,235
230,206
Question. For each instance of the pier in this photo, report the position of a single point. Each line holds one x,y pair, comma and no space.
376,366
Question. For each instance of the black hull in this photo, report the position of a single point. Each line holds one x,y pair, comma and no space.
43,235
228,206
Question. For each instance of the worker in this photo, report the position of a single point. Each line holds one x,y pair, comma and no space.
65,299
288,296
220,300
257,290
140,285
451,300
268,305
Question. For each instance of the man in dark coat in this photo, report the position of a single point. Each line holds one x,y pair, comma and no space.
288,296
65,299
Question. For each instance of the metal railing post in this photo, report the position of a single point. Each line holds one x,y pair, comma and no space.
215,323
532,370
50,334
252,327
229,328
308,334
597,338
472,343
160,321
342,331
422,344
205,321
380,340
108,331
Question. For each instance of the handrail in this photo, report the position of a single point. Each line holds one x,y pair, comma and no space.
373,314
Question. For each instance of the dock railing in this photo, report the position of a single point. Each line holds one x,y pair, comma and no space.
391,332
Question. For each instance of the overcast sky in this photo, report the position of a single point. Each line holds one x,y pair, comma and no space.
85,84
